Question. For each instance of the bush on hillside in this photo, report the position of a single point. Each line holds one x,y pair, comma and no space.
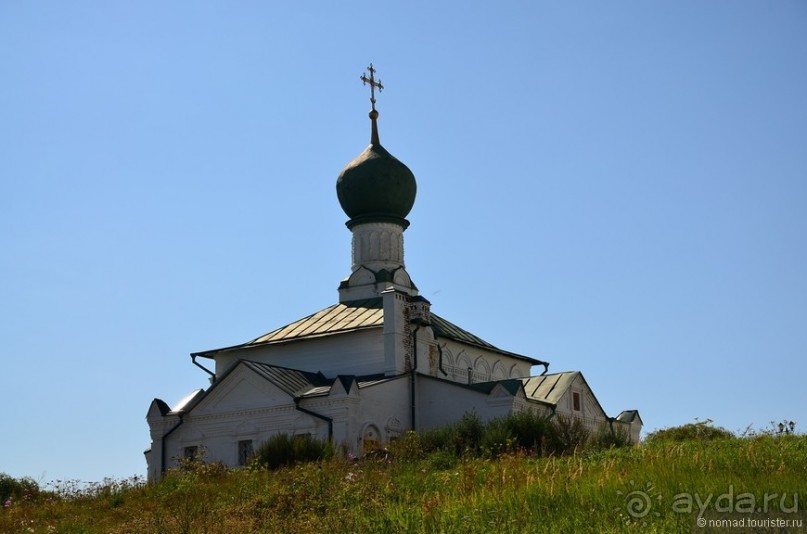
610,437
17,488
530,431
701,431
468,434
496,438
569,435
524,432
283,449
435,439
461,438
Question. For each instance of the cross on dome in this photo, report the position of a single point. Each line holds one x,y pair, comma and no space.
373,84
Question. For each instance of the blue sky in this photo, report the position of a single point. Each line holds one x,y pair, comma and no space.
618,188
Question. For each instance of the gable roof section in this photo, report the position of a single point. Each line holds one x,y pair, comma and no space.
297,384
630,416
292,381
511,385
333,319
357,315
336,319
548,388
447,329
544,389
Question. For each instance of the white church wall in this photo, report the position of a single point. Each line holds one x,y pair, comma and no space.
357,353
441,403
216,436
634,431
158,427
385,406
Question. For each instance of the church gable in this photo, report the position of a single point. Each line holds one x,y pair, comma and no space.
578,400
157,409
242,389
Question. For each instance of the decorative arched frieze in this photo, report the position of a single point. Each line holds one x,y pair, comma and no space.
482,369
499,372
448,357
462,366
515,372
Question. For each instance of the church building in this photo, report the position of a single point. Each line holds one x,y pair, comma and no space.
372,366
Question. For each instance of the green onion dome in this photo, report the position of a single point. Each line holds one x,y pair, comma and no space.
376,186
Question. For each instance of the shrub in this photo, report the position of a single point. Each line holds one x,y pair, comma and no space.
17,488
609,437
496,438
437,439
702,431
468,433
568,435
530,431
521,432
282,449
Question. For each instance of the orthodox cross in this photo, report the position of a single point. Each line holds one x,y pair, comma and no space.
373,84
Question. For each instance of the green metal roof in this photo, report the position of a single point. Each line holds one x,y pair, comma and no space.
549,388
353,316
333,319
293,381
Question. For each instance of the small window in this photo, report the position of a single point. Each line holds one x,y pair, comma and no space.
190,452
244,451
576,401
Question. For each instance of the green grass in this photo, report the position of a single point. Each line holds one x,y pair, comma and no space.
440,492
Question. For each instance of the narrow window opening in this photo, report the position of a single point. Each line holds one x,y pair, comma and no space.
244,451
576,401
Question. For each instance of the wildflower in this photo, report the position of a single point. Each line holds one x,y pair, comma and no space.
7,502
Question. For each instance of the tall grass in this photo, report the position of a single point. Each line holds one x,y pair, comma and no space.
439,490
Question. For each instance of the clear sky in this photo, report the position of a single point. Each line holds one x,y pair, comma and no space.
615,187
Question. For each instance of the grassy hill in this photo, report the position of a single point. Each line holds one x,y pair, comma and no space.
662,485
